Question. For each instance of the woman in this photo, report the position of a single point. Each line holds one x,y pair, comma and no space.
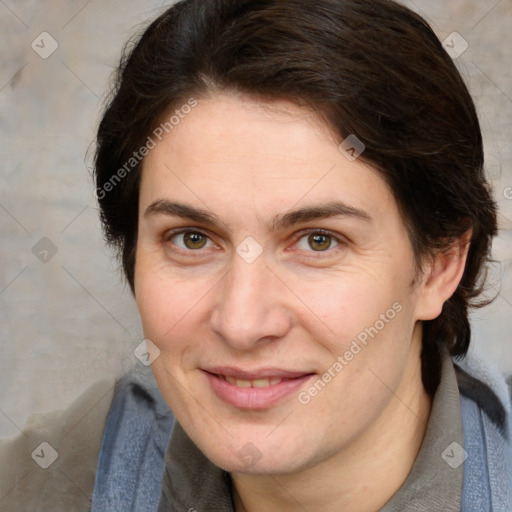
297,194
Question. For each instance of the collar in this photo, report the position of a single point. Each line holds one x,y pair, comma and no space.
435,481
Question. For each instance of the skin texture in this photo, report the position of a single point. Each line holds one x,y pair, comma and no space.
248,162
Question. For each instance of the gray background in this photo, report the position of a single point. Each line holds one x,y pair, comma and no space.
68,321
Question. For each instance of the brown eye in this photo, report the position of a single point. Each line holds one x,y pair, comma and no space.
191,240
317,242
320,242
194,240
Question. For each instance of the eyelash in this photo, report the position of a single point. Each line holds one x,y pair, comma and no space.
169,235
298,236
320,254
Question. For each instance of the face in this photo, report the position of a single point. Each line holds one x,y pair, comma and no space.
274,276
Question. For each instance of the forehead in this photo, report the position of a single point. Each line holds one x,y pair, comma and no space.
237,153
234,128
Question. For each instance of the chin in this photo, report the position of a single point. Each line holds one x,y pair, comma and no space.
259,457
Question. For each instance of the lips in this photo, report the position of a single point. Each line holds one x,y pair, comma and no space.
255,389
263,373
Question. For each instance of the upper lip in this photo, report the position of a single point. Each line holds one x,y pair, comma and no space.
261,373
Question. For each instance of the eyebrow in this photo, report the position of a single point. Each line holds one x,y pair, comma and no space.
175,209
281,221
324,211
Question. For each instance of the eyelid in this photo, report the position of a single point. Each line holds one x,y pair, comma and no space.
342,241
319,231
169,234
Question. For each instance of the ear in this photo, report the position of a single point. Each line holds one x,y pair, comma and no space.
441,278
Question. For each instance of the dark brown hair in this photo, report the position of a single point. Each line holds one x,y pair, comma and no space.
372,68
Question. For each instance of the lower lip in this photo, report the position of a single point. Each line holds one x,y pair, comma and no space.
254,398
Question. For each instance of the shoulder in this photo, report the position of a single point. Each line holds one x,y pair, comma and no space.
137,432
486,417
482,384
51,465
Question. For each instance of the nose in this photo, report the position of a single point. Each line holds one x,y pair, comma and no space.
250,307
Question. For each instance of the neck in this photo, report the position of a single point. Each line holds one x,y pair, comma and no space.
364,476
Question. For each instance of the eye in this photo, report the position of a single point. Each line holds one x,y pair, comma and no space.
190,240
317,241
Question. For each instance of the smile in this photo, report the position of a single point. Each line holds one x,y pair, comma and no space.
254,390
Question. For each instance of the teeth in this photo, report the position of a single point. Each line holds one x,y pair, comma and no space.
258,383
261,383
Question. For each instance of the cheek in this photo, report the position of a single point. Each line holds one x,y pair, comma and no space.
344,305
165,303
365,331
